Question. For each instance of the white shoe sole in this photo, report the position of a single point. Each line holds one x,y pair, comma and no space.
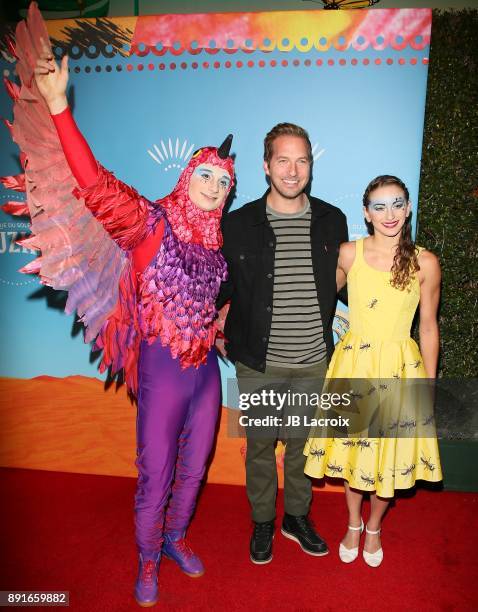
292,537
261,562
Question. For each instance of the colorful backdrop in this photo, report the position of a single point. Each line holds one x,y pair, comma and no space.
146,91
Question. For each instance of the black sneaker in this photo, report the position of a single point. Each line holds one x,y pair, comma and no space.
300,529
261,542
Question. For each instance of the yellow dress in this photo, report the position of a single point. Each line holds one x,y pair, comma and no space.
378,363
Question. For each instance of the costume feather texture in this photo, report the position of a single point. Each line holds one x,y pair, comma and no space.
77,255
88,237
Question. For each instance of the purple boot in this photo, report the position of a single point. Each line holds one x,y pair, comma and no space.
176,548
146,588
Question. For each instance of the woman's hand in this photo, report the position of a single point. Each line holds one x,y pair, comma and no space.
52,79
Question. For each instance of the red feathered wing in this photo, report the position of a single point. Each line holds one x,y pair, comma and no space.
77,253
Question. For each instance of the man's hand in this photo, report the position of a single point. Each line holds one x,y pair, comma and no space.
52,79
220,346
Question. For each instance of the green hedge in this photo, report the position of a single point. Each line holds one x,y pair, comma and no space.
447,215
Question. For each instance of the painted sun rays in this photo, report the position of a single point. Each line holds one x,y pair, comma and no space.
169,155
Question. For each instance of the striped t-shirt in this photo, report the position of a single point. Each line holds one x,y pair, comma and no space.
296,338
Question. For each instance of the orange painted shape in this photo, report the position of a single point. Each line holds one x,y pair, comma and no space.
286,30
74,425
267,31
241,27
64,29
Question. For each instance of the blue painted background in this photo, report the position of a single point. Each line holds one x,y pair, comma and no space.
368,120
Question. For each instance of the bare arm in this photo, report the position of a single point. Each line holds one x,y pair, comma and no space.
430,278
342,291
344,263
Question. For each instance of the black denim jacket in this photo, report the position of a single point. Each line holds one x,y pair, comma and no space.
249,249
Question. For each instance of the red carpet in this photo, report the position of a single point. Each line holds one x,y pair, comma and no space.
74,532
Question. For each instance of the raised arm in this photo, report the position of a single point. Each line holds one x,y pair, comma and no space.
118,207
52,81
430,278
79,156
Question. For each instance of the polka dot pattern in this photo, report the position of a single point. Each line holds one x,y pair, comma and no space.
251,64
360,43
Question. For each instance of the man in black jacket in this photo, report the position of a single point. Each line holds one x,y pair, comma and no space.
282,255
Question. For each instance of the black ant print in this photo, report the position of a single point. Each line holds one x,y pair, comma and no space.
368,480
379,477
383,387
364,346
351,470
410,424
393,425
336,469
348,347
348,443
371,390
373,303
416,364
317,452
430,418
428,464
395,376
407,470
363,443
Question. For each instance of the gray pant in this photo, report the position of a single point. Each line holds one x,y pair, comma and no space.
261,470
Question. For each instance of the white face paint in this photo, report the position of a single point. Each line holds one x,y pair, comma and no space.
208,186
381,204
387,209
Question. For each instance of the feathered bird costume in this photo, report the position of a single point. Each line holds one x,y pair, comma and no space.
143,276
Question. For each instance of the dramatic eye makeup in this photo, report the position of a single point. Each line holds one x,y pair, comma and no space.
207,175
396,203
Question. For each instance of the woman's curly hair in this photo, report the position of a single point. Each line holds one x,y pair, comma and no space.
405,262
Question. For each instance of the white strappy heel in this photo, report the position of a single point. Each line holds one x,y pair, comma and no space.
347,555
376,558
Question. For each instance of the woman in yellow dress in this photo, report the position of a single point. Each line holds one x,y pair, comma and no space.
391,442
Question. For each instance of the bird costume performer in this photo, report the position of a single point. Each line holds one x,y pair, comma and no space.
143,276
